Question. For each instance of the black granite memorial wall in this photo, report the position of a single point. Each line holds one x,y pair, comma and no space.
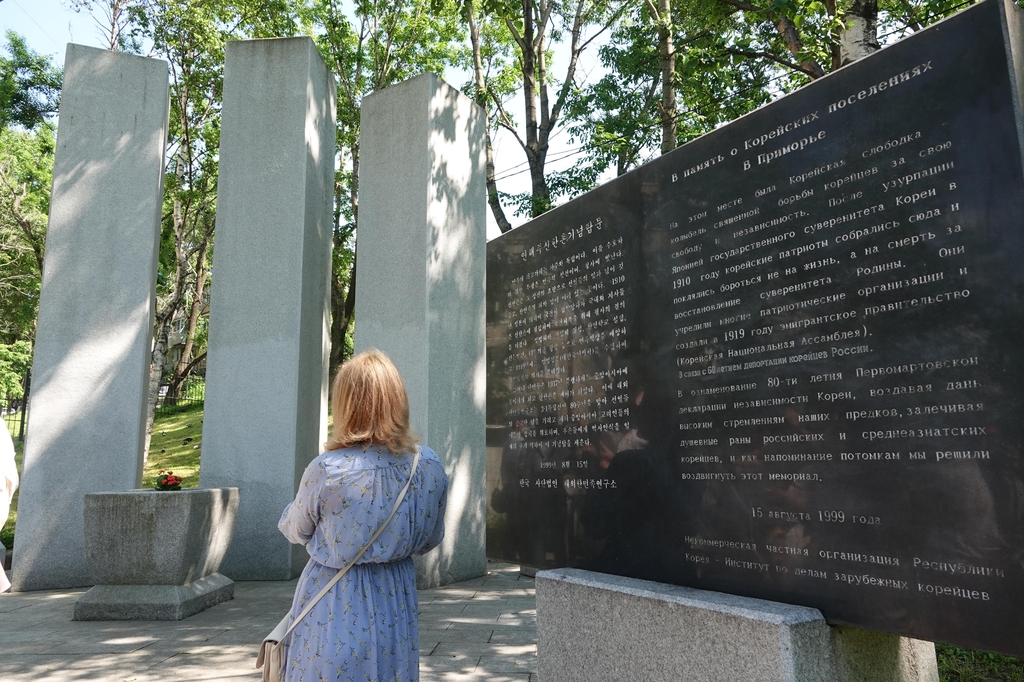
787,359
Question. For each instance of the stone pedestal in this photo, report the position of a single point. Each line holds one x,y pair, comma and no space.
154,555
266,377
90,371
420,287
592,626
153,602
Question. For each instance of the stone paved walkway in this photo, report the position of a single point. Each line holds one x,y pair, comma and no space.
480,629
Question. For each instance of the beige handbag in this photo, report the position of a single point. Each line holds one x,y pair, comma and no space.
271,654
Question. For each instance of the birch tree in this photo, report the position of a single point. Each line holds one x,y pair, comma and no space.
113,19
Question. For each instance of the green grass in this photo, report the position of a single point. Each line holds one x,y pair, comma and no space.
168,450
176,445
966,665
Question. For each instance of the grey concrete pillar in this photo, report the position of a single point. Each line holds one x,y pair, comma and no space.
266,377
90,371
420,287
593,626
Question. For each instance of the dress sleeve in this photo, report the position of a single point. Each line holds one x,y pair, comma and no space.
300,518
436,514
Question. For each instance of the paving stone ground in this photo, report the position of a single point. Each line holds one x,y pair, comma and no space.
480,629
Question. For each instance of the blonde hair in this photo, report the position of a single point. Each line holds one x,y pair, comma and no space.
370,405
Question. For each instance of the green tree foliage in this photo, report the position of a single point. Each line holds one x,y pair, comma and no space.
26,173
529,30
29,93
618,120
15,359
29,85
730,57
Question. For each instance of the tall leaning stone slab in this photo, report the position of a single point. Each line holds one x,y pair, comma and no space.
420,287
266,396
90,370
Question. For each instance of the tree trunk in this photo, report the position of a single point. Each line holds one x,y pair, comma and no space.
493,198
164,318
861,37
790,36
343,304
343,299
339,319
24,223
174,388
531,46
24,398
529,62
667,59
156,375
541,116
202,274
832,10
538,183
482,97
622,165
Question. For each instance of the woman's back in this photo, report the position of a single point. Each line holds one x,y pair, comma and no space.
365,626
349,493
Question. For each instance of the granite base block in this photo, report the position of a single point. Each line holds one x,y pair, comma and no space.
865,656
592,626
153,602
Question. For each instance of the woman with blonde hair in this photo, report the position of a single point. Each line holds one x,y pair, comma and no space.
365,627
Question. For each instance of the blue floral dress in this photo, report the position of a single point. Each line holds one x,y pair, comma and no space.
365,628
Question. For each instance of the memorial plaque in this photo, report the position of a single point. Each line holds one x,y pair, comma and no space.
786,360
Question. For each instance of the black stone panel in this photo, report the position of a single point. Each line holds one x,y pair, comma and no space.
785,360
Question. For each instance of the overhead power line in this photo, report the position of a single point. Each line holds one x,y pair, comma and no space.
519,169
33,20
